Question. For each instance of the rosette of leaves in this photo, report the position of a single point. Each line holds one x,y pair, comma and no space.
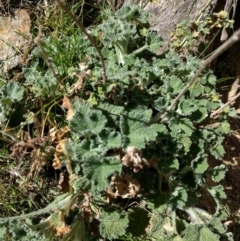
127,162
172,152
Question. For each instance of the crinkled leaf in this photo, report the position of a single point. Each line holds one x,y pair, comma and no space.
186,141
213,105
108,140
98,170
200,166
196,90
144,70
11,91
80,151
218,227
167,165
178,198
160,227
175,84
135,126
3,230
187,107
87,120
187,126
113,224
218,173
133,13
218,194
181,125
79,183
118,74
21,232
112,112
154,42
212,79
161,103
43,83
199,233
217,151
224,128
199,115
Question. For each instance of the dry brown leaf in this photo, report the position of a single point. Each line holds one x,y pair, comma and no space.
62,228
124,187
67,105
168,227
60,150
233,90
56,161
133,159
58,134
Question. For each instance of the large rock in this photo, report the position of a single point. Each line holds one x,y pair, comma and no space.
15,39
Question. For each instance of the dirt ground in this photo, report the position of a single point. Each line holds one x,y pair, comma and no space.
231,181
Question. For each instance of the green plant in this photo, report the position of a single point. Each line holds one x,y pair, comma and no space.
132,160
196,37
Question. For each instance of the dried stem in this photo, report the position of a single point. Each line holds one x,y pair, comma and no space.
90,38
235,37
225,105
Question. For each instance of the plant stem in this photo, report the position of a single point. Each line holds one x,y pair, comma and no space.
225,105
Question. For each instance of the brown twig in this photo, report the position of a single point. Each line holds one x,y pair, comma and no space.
235,37
225,105
90,38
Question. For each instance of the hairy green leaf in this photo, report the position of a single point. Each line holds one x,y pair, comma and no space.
87,120
79,183
108,140
154,42
178,198
113,224
175,85
224,128
131,13
218,194
161,103
160,227
21,232
136,127
217,151
218,173
218,227
179,126
112,112
200,166
43,83
11,91
99,170
167,165
199,233
3,230
187,107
